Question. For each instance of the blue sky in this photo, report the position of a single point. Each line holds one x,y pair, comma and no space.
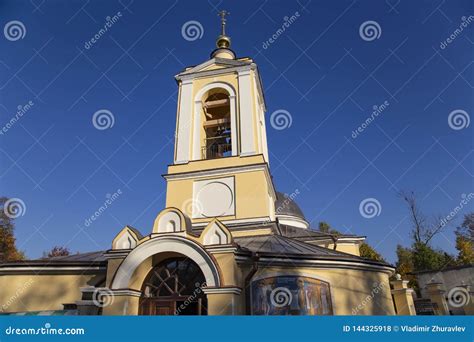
320,70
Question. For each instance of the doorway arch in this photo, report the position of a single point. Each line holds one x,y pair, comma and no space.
174,287
175,244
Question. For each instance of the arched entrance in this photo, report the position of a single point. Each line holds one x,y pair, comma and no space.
174,287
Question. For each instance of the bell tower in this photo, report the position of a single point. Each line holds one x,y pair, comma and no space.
221,166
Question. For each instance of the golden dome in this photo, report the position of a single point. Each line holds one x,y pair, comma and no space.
223,42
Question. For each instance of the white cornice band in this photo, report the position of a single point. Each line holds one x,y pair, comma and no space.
222,290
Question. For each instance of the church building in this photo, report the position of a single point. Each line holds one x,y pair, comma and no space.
227,242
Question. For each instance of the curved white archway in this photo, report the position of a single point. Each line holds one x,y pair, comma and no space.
196,153
163,244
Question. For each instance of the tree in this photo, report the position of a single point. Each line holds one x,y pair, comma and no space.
8,249
424,229
325,227
467,227
465,240
426,258
404,264
57,251
367,251
466,250
405,267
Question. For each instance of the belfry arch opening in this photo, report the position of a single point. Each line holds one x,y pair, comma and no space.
216,128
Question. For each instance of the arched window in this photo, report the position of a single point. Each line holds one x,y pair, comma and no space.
290,295
174,287
217,142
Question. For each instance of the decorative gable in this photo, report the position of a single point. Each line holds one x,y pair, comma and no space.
216,234
170,220
127,238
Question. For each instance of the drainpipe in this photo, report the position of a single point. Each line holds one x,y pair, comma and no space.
255,258
334,240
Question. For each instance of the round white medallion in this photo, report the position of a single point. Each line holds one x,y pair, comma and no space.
217,199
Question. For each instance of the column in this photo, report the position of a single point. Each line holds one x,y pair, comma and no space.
436,294
184,124
403,297
247,143
224,301
121,303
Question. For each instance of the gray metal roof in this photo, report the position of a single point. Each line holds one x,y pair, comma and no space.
281,247
285,205
303,234
86,257
284,246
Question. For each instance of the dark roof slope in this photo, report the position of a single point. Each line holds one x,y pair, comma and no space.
310,234
285,205
80,259
87,257
283,246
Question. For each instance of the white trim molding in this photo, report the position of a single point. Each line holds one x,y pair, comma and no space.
176,244
126,292
246,115
183,132
47,269
222,290
224,172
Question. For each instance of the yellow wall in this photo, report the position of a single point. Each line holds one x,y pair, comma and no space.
352,291
41,292
351,248
251,196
